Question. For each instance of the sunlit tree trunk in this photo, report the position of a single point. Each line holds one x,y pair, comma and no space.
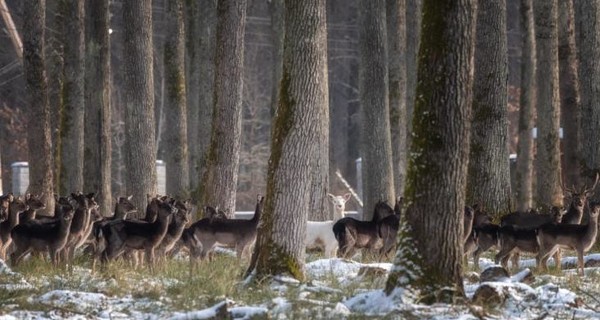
376,145
39,142
140,147
524,174
176,147
488,181
547,161
302,100
587,17
431,263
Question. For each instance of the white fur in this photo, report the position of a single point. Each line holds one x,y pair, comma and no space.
319,234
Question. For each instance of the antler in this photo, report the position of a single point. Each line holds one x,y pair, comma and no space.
589,191
564,189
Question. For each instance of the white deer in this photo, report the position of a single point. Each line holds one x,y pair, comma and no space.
319,234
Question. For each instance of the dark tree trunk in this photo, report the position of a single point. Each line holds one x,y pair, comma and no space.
302,101
71,128
140,146
193,78
39,142
413,35
278,31
569,93
548,111
587,17
176,152
396,38
524,174
488,181
439,156
376,151
220,179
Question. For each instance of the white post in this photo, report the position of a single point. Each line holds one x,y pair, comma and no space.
359,184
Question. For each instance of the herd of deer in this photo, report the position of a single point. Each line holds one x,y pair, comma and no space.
166,229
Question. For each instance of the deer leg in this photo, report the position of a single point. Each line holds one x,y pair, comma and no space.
476,256
557,259
580,263
515,261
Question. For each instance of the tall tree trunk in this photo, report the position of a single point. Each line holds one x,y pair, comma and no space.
302,101
413,36
548,111
38,137
54,56
587,16
396,38
140,150
193,78
278,31
488,180
437,170
377,172
220,181
71,128
569,93
97,131
524,174
176,152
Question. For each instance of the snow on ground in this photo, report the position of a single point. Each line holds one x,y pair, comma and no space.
326,291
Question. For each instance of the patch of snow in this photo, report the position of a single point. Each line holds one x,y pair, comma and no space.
248,312
208,313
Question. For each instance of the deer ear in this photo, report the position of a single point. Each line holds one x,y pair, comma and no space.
332,197
347,196
130,197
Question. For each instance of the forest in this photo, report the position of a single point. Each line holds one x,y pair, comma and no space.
250,159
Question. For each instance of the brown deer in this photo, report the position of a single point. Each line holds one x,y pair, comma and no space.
203,235
579,238
80,224
178,223
41,237
388,229
121,235
578,199
353,234
519,238
33,205
5,201
15,208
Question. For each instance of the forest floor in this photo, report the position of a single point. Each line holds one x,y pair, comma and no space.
336,289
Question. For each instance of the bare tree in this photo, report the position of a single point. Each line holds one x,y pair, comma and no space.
413,35
396,38
193,78
41,179
278,30
176,147
376,146
140,149
548,111
587,17
431,262
220,179
71,126
303,96
569,93
524,170
488,179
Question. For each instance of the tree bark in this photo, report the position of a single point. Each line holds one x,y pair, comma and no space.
220,180
377,171
413,36
548,171
302,101
569,93
193,78
524,174
488,180
277,11
71,126
206,62
396,38
176,147
431,265
587,17
39,142
140,150
97,131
